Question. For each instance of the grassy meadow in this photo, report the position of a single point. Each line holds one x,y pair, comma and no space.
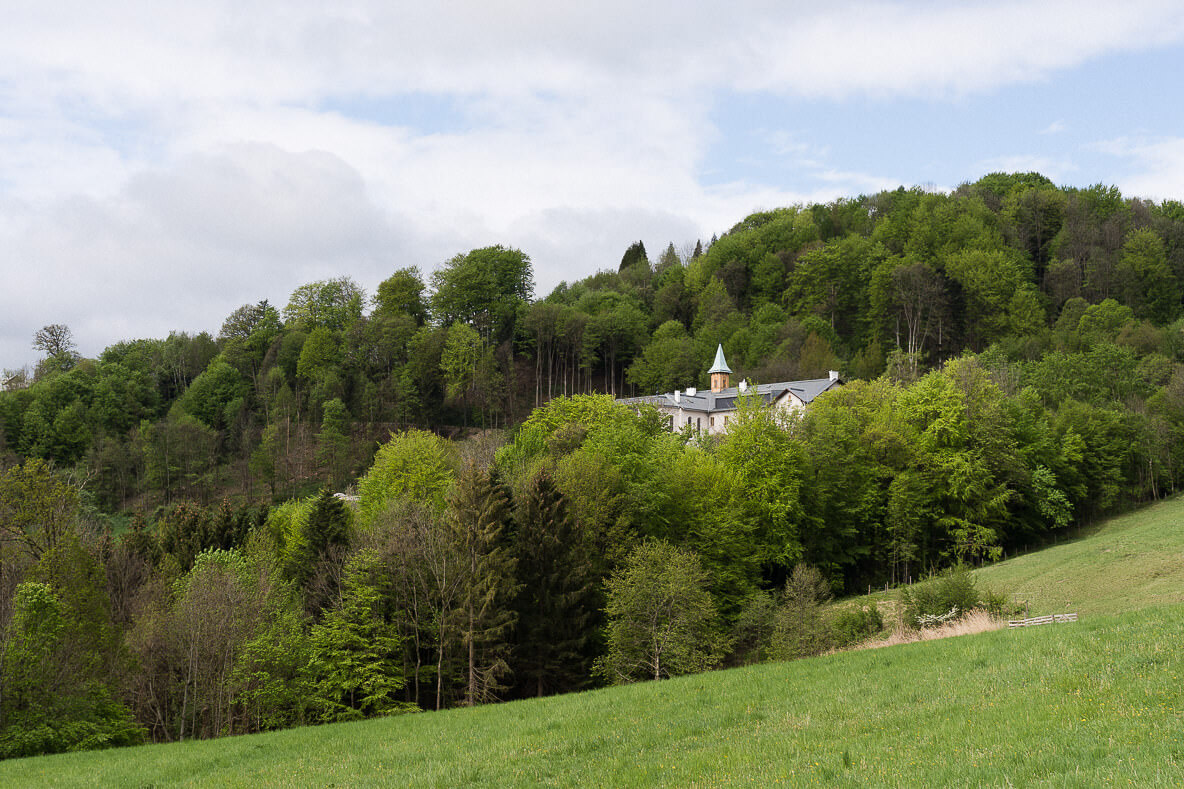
1096,702
1123,564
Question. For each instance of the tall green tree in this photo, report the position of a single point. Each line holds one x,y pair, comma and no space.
661,618
556,600
480,516
51,699
355,665
486,288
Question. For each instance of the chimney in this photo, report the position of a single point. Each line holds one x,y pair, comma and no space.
677,397
834,375
692,391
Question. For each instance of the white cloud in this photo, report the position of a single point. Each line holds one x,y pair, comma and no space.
161,165
1158,167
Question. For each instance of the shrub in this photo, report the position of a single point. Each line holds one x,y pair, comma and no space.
799,629
945,597
853,625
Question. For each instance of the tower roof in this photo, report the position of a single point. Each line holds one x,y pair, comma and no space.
719,365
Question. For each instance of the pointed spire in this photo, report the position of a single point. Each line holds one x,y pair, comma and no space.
719,365
720,373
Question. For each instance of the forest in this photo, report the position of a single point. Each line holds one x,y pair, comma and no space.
174,562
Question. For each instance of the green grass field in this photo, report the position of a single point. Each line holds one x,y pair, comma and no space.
1126,563
1085,704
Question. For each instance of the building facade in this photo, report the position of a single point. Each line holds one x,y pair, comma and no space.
711,411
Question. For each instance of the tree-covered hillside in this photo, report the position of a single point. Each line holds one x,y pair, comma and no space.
1012,355
898,281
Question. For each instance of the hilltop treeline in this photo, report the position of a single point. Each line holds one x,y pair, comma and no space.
899,281
1012,354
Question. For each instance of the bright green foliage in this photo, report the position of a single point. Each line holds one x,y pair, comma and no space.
416,465
38,507
699,502
1146,282
355,667
334,304
213,393
50,698
459,360
661,618
829,282
563,424
320,354
270,677
989,281
669,361
866,718
768,462
401,294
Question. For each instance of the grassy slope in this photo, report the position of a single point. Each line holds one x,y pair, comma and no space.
1095,702
1129,562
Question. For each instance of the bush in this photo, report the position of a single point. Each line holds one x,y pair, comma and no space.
946,597
853,625
799,629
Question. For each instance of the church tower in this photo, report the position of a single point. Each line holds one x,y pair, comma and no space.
720,372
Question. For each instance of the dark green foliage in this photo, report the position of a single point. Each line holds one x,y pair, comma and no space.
1073,408
633,256
485,287
556,599
51,697
324,538
480,518
799,627
752,633
185,530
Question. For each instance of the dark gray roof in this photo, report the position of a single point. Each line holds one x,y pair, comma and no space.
725,400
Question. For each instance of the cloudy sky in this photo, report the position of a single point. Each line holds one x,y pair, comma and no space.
161,165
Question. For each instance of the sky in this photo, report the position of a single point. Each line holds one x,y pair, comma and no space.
162,164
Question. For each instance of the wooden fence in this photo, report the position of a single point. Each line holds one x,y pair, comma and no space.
1043,620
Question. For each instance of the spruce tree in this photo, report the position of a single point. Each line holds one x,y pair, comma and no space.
325,534
556,600
479,517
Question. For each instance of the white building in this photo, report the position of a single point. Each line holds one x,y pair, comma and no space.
711,411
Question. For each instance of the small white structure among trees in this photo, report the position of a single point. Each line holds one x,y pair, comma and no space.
712,411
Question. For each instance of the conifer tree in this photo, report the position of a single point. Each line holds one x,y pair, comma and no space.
479,518
356,668
325,535
555,602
